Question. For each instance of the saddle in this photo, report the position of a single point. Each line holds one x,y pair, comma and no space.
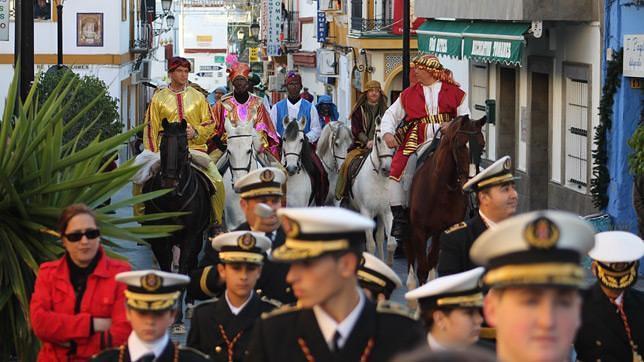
354,166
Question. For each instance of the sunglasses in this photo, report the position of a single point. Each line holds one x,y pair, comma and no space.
90,234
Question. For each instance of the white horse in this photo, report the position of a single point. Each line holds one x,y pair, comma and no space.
371,196
299,191
332,150
242,156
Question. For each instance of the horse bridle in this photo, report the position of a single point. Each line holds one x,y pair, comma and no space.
335,157
454,156
252,156
299,156
375,168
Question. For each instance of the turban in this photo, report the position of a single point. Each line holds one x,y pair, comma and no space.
431,64
238,70
176,62
293,77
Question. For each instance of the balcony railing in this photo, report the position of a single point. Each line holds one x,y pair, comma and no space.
291,29
371,25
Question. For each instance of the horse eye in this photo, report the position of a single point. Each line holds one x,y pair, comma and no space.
301,141
249,152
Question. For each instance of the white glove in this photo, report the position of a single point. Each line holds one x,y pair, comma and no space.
101,324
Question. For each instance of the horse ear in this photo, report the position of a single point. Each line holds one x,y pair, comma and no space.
184,125
285,121
302,123
482,121
378,119
227,125
165,123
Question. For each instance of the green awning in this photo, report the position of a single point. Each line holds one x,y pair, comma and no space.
441,37
495,42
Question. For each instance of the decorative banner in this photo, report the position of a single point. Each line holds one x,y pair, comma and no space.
4,20
273,45
321,26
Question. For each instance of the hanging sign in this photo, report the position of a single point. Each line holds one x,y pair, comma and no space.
321,27
273,44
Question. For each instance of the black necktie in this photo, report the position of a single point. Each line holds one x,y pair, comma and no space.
146,358
336,340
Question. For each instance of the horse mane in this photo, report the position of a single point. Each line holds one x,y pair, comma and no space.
443,153
291,131
324,143
341,130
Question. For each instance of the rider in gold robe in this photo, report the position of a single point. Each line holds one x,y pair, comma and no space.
180,101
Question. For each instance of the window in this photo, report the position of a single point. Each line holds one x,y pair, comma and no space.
478,95
577,120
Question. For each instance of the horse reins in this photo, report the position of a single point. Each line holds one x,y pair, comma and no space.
299,156
380,157
335,157
252,156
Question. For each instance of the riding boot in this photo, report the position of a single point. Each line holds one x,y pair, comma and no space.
400,223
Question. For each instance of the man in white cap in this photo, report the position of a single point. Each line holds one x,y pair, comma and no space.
497,199
450,307
376,278
222,327
333,320
612,326
151,306
261,194
534,274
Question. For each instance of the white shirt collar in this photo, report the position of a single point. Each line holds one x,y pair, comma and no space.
328,325
620,299
490,224
296,105
138,348
433,343
233,309
436,86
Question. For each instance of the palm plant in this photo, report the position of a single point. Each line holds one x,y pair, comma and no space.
40,174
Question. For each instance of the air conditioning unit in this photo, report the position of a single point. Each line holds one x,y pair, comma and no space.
326,62
275,82
146,70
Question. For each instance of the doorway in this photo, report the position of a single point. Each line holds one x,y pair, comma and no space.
538,141
506,108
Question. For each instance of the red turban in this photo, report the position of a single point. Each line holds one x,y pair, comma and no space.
176,62
293,77
431,64
238,70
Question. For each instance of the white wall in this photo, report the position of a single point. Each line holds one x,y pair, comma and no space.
308,8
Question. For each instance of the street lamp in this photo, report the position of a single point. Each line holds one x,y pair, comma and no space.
166,5
169,21
254,29
241,34
59,15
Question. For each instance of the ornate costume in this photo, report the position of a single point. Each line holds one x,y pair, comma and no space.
414,118
301,109
252,110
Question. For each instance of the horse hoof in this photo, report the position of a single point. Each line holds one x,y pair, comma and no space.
178,328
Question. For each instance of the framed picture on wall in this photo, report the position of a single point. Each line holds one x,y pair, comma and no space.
89,29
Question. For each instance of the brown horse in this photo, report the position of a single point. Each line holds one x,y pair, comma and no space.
437,200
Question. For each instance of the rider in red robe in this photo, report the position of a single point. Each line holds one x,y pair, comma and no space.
414,118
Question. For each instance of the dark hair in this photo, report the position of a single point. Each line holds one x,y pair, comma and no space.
69,212
428,319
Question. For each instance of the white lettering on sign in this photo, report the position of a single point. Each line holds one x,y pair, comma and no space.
502,49
4,20
481,48
441,45
432,45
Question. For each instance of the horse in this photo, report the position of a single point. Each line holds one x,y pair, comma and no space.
332,149
296,151
370,195
242,156
437,199
190,193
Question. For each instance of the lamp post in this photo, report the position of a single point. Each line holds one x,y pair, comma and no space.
59,15
166,5
254,30
406,50
24,45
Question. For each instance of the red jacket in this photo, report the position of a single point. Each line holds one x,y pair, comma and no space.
52,310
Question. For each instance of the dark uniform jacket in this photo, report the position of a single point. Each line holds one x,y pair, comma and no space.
455,244
122,354
205,284
210,317
602,336
289,334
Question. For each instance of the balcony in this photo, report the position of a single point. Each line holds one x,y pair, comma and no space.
371,17
510,10
361,25
291,31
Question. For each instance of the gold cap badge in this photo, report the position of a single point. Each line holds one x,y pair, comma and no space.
151,282
541,233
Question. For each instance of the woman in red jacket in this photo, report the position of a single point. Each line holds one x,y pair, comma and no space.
77,308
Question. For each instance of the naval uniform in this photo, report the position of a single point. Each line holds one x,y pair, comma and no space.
170,353
455,244
602,336
380,332
215,328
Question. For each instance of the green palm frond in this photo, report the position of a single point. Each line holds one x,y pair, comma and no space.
42,170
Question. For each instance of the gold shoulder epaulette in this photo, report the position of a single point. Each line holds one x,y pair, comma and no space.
459,226
274,302
289,308
386,306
